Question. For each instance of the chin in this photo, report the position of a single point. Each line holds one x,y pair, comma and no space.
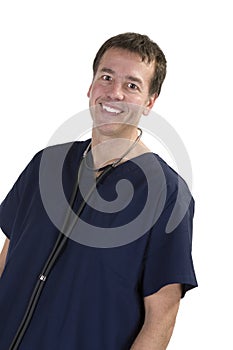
113,129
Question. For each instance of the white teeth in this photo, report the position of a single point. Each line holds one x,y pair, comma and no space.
110,109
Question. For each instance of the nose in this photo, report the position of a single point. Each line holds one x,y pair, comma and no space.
115,91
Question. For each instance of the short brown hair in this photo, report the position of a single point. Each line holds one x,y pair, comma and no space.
142,45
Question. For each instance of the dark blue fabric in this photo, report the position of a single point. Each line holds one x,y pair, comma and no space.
93,298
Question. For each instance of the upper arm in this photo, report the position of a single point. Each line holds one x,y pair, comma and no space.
168,260
3,255
160,314
162,306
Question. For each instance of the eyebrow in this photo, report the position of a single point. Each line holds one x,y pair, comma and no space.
129,77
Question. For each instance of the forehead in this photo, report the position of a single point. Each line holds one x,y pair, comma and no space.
123,62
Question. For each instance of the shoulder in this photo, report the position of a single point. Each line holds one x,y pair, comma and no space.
73,147
58,153
160,170
176,194
173,180
49,158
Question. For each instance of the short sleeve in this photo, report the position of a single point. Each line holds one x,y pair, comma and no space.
169,255
10,206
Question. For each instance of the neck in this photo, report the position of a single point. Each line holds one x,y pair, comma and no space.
127,133
107,149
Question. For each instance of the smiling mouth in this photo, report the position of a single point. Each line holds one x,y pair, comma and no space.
111,109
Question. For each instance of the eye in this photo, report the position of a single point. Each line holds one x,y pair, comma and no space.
132,86
106,77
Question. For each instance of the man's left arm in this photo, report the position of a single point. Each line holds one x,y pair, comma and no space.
160,315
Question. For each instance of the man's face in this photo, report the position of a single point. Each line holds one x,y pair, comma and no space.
119,93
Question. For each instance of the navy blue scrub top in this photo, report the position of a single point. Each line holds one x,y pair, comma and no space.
93,297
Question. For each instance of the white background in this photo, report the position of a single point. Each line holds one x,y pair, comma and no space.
47,48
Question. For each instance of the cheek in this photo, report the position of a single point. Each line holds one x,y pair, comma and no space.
93,91
137,100
91,95
89,92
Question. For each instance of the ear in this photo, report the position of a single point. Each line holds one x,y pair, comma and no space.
150,103
89,91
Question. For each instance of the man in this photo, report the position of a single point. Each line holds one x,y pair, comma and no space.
116,293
